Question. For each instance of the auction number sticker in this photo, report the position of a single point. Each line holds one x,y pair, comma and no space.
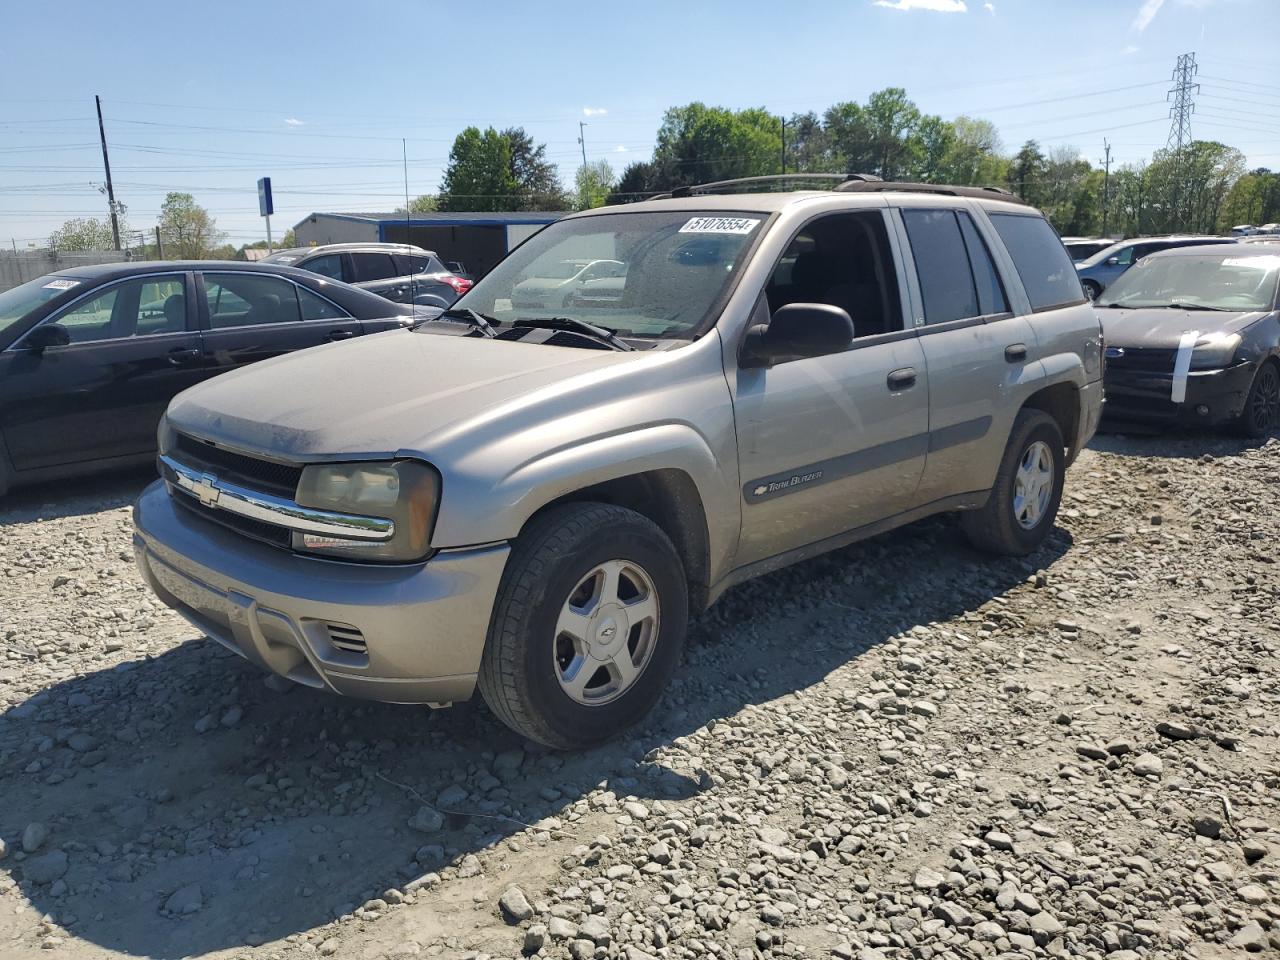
740,226
61,284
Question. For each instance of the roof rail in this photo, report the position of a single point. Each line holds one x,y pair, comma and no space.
719,185
888,186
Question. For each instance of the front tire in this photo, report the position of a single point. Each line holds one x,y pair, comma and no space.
1020,512
588,625
1092,289
1261,414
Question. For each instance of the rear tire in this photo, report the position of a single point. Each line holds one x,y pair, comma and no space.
1024,501
1092,289
588,625
1261,414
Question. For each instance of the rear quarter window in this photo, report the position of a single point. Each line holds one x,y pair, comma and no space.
1047,273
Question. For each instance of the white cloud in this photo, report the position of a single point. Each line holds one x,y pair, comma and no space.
594,111
937,6
295,122
1146,14
619,149
990,8
1130,49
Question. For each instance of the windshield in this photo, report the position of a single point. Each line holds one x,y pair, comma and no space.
653,275
1215,282
21,300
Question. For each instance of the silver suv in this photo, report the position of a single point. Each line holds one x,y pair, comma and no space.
534,501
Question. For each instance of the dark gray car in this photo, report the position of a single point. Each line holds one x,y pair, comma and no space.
1193,336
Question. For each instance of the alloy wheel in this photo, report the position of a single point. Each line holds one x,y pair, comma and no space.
1264,412
606,632
1033,485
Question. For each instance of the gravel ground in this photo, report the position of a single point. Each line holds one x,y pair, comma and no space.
899,750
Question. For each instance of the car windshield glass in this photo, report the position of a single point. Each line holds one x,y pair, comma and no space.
19,301
662,274
1219,283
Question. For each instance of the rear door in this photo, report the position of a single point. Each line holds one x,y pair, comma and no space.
249,316
133,347
975,349
373,266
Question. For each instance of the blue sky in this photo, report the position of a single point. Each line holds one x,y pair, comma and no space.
206,98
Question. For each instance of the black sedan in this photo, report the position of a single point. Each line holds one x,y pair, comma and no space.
91,356
1193,337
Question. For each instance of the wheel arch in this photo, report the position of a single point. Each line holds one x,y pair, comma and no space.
670,499
1061,401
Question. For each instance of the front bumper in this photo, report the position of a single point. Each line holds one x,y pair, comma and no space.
401,634
1213,398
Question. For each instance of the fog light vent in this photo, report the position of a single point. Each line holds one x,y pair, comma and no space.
346,637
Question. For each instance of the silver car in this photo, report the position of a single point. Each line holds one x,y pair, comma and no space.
534,501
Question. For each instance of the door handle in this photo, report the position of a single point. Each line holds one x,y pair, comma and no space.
1015,352
902,379
341,334
181,356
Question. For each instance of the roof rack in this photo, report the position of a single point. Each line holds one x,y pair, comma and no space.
718,186
888,186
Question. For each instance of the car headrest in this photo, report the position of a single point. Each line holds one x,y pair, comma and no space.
175,311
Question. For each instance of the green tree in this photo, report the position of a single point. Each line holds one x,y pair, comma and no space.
479,174
1027,173
698,144
594,183
84,234
186,228
427,203
1190,186
1254,198
809,148
538,178
974,155
639,181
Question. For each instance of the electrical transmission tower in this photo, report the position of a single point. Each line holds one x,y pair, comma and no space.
1182,105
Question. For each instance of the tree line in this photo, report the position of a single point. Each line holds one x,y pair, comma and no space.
1203,188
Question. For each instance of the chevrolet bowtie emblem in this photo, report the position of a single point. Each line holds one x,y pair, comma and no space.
207,490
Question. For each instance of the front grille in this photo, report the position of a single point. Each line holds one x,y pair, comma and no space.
256,529
264,475
1145,359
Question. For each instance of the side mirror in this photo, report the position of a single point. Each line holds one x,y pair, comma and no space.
1113,261
48,335
795,331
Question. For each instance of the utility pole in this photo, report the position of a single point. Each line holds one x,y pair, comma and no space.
106,165
784,145
1106,184
159,246
1180,110
582,139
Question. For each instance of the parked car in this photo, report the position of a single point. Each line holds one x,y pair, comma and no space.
1104,266
557,282
399,271
423,289
1081,248
458,268
1193,337
1244,230
533,500
90,356
1262,238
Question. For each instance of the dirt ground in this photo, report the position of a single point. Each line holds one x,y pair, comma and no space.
903,749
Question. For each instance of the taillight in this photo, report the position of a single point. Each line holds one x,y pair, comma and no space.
460,284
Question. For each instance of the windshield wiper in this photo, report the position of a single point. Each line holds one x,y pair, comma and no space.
1182,305
475,318
574,325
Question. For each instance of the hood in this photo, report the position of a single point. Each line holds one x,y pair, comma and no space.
1159,327
375,396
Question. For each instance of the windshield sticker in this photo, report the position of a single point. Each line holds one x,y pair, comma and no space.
61,284
1261,263
739,226
280,259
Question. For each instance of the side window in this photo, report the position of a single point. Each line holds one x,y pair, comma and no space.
329,265
843,260
942,266
1047,273
1125,256
247,299
318,308
421,264
1146,249
373,266
991,298
135,308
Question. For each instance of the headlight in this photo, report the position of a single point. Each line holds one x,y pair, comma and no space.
1214,351
405,492
164,434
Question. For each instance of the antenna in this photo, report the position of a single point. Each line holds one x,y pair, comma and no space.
408,230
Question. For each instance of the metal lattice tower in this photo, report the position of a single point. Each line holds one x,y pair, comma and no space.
1182,105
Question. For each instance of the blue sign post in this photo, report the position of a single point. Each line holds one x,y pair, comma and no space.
265,207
